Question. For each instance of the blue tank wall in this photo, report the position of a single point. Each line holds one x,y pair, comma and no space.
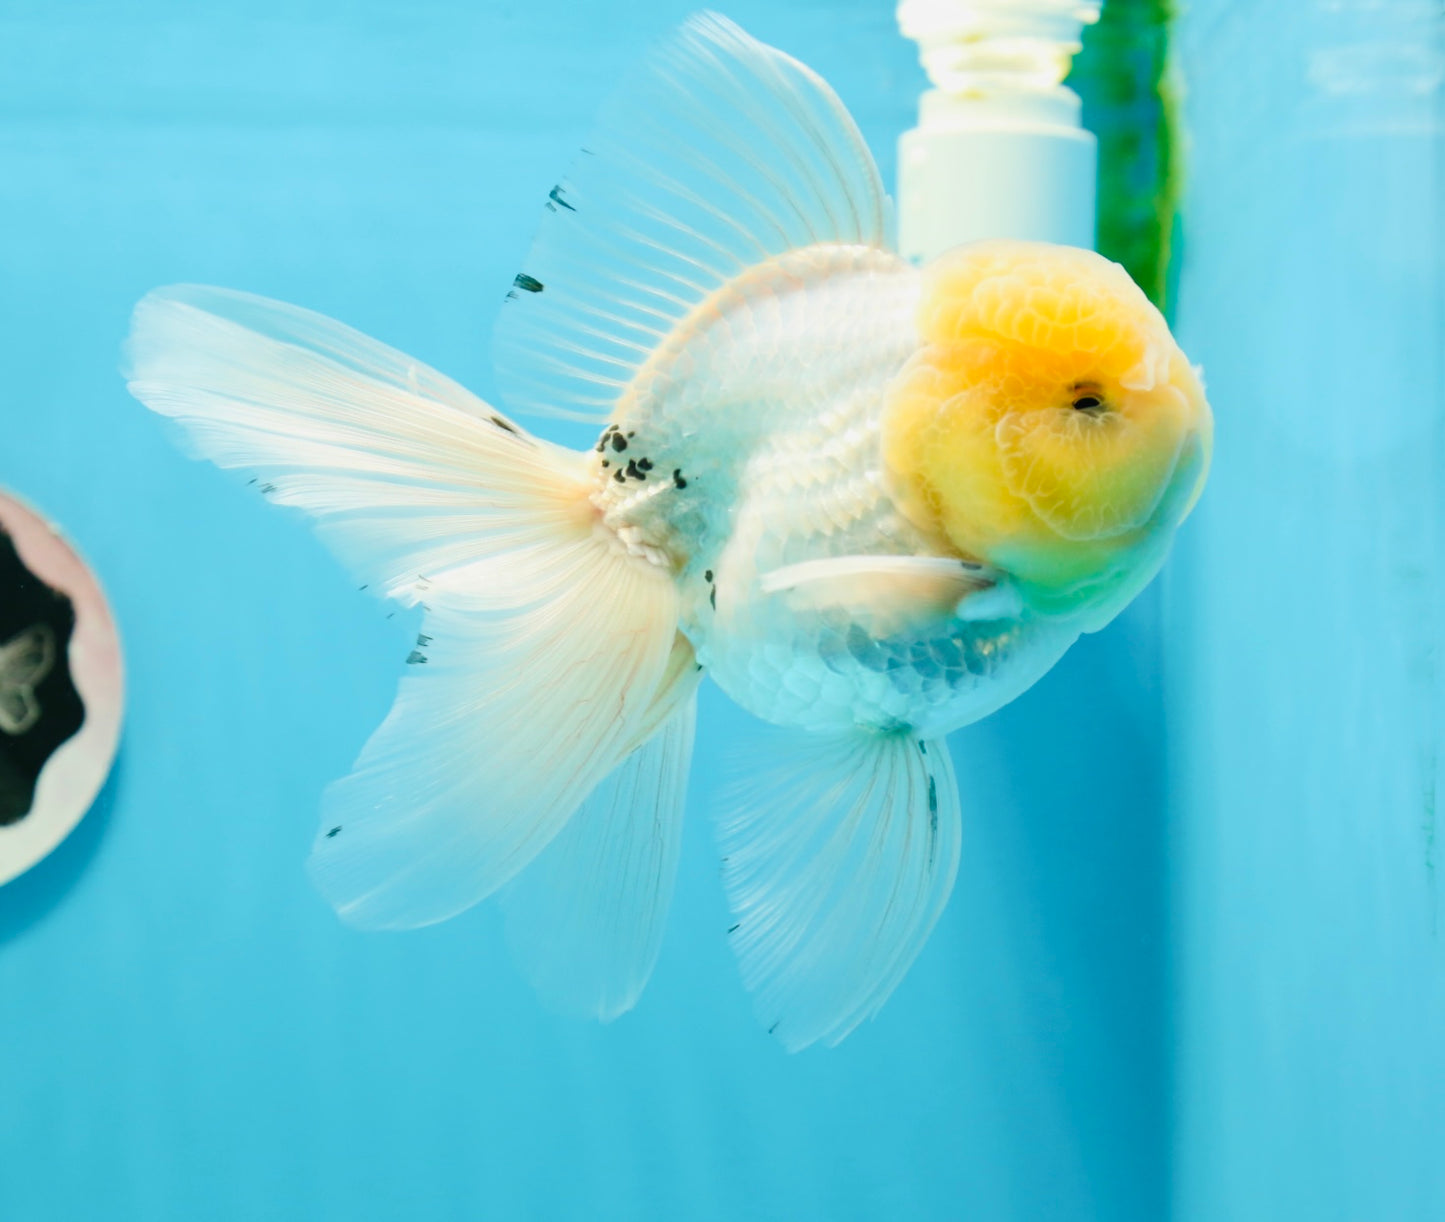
1305,678
187,1031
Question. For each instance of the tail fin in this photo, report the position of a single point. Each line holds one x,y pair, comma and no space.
585,920
543,644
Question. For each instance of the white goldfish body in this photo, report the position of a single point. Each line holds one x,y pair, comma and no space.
873,502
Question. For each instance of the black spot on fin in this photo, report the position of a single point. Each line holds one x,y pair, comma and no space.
527,283
555,195
932,819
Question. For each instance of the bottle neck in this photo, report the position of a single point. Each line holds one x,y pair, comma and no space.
999,150
981,47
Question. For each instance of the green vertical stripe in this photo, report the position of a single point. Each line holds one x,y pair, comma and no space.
1131,96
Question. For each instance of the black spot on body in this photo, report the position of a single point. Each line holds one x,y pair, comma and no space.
505,424
712,597
707,576
619,442
677,480
644,464
333,831
529,284
735,928
932,797
555,195
619,475
633,472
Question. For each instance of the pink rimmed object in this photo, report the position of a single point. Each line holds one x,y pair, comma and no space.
52,767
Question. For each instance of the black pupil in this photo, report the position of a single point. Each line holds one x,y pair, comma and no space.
1084,402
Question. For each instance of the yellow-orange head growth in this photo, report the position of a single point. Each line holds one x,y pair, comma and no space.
1049,425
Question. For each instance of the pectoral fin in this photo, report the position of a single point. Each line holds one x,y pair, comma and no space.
893,591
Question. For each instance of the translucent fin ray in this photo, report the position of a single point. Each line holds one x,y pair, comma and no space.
585,920
837,860
543,646
407,473
718,154
536,675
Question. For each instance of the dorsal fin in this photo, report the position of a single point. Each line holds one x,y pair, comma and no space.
719,153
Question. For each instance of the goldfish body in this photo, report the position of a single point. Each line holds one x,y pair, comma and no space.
873,502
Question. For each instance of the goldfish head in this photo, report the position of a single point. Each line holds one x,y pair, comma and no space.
1049,425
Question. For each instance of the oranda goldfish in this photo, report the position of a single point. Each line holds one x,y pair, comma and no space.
873,502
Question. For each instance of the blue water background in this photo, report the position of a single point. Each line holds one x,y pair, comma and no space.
187,1031
1306,614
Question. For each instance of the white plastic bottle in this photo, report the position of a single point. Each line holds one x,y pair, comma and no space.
999,150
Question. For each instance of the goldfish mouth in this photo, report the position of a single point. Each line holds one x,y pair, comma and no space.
1087,397
1088,474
